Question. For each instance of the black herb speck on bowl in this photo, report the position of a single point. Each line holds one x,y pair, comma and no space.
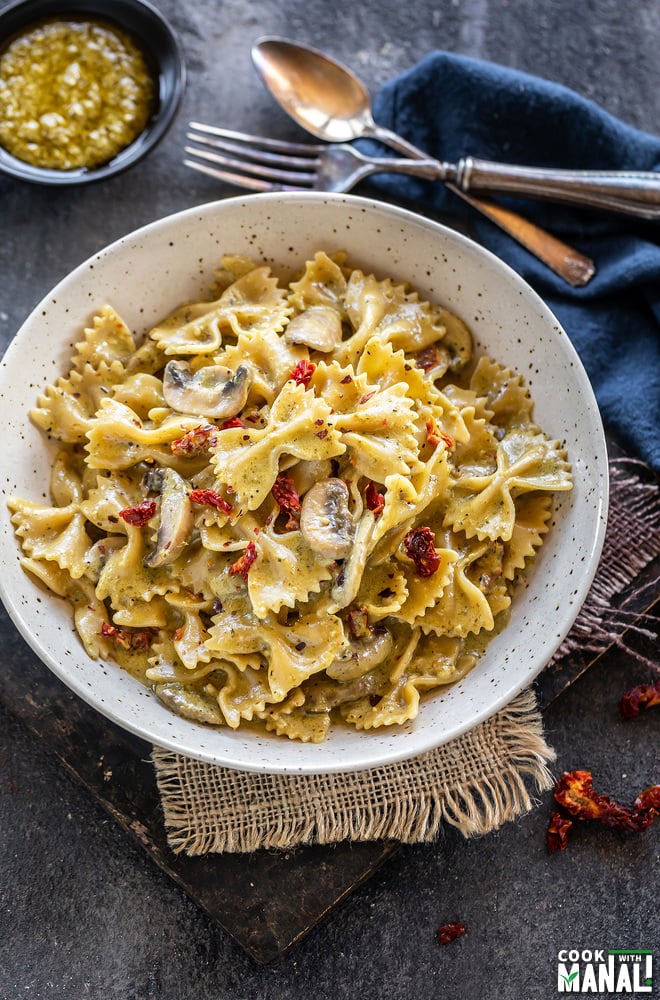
147,30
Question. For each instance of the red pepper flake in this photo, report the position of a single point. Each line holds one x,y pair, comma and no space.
367,396
140,514
322,434
287,499
242,566
346,380
419,545
211,499
374,500
195,441
641,697
231,422
557,836
575,793
449,932
128,640
375,699
303,372
434,435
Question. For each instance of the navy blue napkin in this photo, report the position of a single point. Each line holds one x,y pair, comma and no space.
453,106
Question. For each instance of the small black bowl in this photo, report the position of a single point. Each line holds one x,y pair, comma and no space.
161,49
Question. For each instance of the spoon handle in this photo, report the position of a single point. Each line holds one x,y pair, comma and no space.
629,191
571,265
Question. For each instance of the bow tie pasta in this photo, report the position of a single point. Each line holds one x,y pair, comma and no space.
295,505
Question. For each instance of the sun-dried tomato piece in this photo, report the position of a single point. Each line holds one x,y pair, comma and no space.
140,514
427,359
449,932
242,566
434,435
638,698
557,835
131,641
286,496
575,792
303,372
374,500
358,623
195,441
648,800
211,499
419,545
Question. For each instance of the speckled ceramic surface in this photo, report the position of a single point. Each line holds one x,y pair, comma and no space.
148,273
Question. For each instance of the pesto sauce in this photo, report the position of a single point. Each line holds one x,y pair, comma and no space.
73,94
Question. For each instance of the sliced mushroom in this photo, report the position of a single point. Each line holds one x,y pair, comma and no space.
176,521
98,555
212,391
322,695
318,327
362,656
190,704
325,520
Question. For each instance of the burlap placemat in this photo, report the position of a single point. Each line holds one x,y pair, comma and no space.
476,782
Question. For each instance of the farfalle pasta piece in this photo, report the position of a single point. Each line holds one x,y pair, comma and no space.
323,283
505,392
118,439
533,512
66,410
56,534
286,571
247,459
483,505
106,341
253,304
271,359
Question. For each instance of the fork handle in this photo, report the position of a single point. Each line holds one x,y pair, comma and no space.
568,263
629,191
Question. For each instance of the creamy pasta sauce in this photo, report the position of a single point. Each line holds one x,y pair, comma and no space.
73,94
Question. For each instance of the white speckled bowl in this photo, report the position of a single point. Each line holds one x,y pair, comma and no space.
146,274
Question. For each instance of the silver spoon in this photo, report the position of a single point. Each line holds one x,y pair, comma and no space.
329,101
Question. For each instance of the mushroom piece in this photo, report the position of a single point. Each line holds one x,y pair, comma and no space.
362,655
318,327
98,555
190,704
176,521
323,695
325,520
212,391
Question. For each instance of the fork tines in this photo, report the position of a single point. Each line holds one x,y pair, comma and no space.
250,161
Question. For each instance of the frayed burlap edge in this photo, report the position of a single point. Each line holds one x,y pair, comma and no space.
476,783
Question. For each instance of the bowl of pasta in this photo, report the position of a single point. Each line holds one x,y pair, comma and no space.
297,483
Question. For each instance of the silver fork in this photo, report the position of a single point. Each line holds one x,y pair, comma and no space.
262,164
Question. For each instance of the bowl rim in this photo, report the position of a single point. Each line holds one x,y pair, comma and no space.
163,49
509,691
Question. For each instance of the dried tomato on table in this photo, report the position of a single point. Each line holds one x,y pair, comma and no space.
449,932
139,514
419,545
575,793
639,698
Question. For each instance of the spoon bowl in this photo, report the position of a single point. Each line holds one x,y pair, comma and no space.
319,93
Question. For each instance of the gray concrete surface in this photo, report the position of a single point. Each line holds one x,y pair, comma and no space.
83,912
